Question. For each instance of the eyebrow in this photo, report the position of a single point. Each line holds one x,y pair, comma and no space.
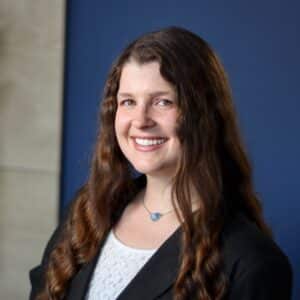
154,94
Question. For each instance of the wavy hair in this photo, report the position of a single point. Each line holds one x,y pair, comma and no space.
213,159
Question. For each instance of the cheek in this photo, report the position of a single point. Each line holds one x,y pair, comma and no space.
121,124
170,123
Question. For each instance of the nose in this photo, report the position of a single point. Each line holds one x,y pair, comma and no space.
142,117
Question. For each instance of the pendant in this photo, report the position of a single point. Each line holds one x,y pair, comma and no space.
155,216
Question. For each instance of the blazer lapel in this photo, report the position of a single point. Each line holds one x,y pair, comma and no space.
158,274
79,284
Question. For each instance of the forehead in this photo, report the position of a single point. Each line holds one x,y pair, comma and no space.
143,78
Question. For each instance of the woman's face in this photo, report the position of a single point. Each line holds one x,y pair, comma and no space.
146,119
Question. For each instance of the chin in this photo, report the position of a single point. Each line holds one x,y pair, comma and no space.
145,170
154,171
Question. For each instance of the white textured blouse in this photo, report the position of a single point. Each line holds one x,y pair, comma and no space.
117,265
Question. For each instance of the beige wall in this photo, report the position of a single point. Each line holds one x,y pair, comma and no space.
31,57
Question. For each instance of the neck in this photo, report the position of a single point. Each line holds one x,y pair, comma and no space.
157,194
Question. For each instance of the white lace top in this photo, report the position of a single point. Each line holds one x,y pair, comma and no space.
116,267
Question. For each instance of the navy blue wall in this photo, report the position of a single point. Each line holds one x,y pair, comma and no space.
258,43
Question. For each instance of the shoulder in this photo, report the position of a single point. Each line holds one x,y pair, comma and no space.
244,242
254,261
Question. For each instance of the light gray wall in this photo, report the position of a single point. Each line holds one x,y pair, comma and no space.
31,60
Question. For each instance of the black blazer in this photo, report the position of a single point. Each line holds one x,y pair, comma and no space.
254,265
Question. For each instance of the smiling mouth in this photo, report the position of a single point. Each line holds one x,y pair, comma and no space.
149,142
145,144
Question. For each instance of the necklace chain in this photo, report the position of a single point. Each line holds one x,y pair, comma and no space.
155,215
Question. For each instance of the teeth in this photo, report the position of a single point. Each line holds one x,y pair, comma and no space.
148,142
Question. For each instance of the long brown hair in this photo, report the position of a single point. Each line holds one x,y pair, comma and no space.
213,159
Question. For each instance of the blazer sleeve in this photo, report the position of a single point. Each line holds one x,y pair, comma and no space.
267,280
36,275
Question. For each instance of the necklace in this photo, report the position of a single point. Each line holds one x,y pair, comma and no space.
155,216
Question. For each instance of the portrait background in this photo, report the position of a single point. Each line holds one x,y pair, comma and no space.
31,82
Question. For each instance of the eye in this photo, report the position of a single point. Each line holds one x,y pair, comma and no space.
164,102
127,102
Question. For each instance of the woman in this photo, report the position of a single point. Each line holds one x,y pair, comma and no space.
191,226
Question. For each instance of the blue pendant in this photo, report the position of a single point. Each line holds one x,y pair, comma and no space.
155,216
